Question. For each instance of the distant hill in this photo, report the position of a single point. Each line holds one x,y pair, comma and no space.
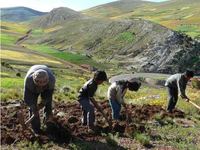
116,8
179,15
57,16
19,14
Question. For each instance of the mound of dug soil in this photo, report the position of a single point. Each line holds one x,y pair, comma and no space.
67,122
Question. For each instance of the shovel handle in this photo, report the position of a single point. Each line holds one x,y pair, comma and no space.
101,111
30,119
194,104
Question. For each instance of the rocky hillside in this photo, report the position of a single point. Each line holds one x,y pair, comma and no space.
134,44
57,16
179,15
18,14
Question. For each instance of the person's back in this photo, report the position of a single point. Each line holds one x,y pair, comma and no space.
88,89
175,79
29,82
116,93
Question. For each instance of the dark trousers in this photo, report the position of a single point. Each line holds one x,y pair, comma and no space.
172,98
88,111
32,103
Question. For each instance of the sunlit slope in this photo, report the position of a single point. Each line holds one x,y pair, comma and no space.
130,44
180,15
16,59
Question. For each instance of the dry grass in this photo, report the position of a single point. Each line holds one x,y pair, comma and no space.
26,57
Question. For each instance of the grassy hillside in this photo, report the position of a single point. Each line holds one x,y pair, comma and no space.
130,44
179,15
157,132
16,60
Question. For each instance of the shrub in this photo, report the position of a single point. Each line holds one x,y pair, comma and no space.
142,138
196,83
112,139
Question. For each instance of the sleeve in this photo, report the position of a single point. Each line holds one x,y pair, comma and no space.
181,87
52,82
30,98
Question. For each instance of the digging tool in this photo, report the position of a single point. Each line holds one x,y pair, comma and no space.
101,111
195,105
40,106
127,129
25,123
22,122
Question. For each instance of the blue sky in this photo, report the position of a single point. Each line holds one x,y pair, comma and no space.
48,5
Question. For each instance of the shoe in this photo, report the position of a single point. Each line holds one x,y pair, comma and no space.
83,122
48,119
37,132
92,129
170,111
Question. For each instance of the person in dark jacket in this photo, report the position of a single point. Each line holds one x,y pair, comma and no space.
177,84
39,80
86,99
116,93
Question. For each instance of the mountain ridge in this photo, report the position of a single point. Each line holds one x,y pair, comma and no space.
57,16
19,14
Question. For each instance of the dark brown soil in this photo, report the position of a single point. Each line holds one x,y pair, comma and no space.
67,123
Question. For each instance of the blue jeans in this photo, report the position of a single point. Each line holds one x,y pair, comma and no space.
116,108
88,111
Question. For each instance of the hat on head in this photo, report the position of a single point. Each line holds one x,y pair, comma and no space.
40,77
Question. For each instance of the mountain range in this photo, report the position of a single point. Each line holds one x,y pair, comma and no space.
19,14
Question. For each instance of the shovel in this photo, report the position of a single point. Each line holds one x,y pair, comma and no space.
101,111
24,126
195,105
127,128
25,123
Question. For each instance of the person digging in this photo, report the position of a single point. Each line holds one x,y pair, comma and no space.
87,101
116,93
177,84
39,80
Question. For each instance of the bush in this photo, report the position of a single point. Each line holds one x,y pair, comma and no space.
112,140
143,139
196,83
